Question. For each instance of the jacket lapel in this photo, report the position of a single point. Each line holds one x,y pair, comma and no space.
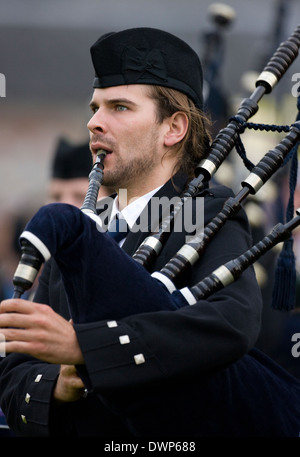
144,224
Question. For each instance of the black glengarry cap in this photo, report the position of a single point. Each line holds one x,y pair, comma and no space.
71,161
147,56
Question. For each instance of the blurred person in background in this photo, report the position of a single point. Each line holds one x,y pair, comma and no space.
68,183
70,169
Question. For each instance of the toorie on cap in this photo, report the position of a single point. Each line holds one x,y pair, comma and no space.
147,56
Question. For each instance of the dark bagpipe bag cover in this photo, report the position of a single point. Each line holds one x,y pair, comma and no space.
94,268
252,397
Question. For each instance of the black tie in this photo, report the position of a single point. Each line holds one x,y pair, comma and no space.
118,229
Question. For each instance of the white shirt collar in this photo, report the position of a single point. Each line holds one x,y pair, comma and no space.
132,211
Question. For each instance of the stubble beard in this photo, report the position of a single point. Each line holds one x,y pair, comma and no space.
125,173
130,171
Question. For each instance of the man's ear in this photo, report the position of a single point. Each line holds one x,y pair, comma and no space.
177,126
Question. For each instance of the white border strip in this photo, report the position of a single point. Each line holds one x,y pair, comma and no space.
166,281
41,247
188,296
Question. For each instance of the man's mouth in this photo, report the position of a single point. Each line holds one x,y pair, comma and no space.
103,152
100,150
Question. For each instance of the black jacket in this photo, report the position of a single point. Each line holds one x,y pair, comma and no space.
182,350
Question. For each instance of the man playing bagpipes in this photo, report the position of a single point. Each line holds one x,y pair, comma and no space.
104,349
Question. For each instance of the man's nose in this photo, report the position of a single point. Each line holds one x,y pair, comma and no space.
96,123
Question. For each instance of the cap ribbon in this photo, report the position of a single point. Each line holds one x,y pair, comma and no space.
137,63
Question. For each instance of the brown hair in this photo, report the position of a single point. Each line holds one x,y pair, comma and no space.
194,145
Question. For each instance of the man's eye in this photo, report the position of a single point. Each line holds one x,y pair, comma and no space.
94,109
121,108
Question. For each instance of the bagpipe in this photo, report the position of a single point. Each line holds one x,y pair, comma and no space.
62,231
44,234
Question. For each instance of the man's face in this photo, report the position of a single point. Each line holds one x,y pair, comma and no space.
125,124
